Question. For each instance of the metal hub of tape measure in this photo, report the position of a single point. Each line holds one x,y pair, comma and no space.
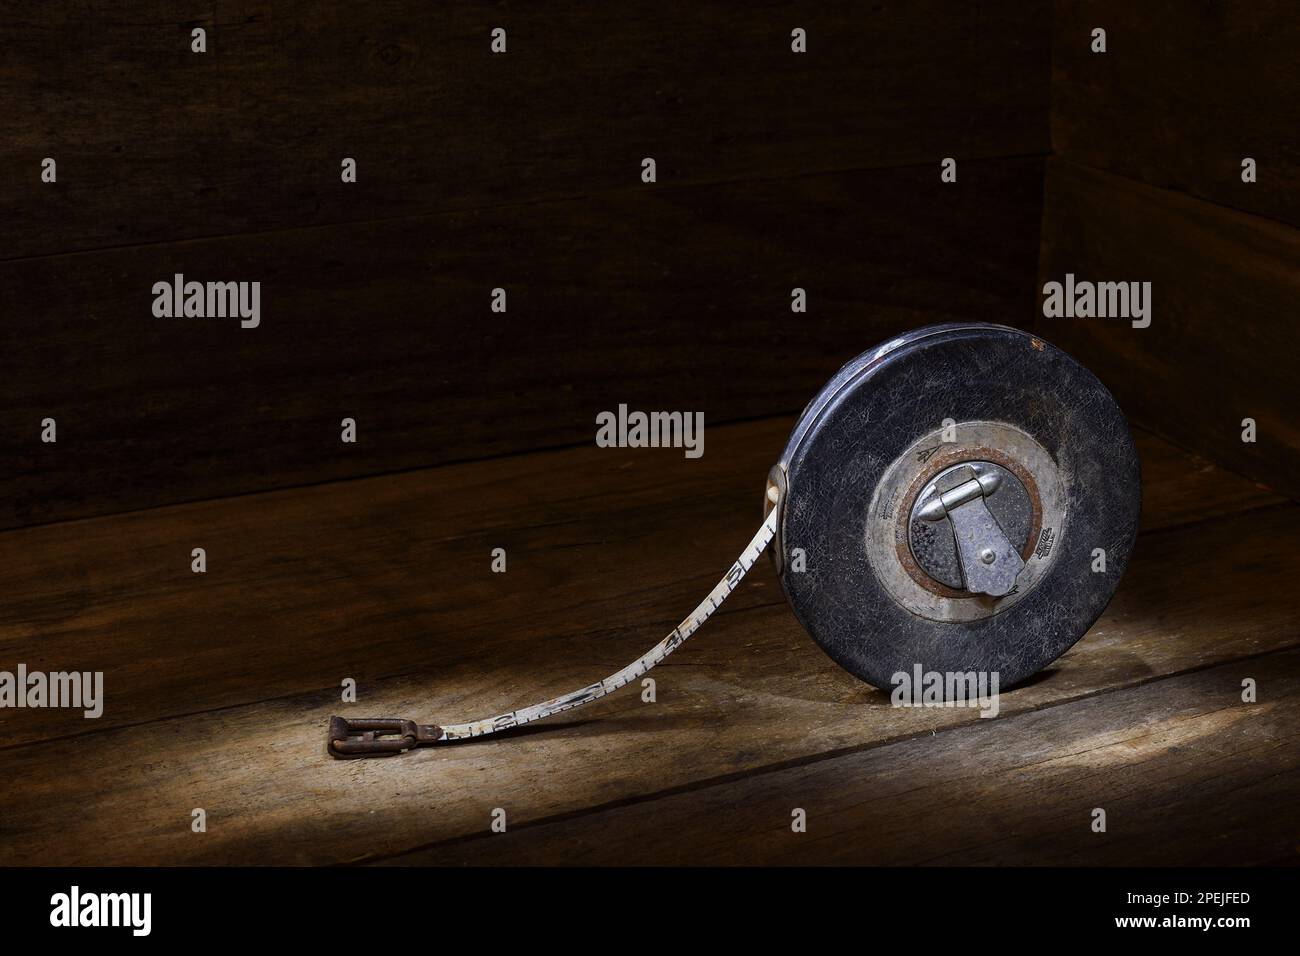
972,510
941,503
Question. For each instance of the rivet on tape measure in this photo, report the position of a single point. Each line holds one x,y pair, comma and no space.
947,493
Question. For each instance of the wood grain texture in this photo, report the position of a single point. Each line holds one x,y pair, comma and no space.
1182,94
1223,336
606,550
1187,774
666,298
156,143
391,575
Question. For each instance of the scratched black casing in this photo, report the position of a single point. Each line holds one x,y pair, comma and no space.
873,409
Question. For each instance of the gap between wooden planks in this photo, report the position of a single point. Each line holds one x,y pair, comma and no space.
752,692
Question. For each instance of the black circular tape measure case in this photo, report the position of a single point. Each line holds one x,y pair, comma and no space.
962,498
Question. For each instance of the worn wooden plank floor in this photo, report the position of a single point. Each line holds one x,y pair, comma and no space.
219,685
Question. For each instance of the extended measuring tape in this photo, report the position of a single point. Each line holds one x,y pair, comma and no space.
962,498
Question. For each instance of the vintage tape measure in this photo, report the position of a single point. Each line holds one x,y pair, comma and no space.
963,498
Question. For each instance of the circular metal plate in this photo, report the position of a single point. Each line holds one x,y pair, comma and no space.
904,482
853,469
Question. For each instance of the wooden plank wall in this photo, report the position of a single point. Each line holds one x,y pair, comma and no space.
476,171
1146,184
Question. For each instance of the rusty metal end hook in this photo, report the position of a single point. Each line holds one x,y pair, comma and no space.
377,736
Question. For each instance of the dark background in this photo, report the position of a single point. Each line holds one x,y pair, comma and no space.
522,171
476,171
